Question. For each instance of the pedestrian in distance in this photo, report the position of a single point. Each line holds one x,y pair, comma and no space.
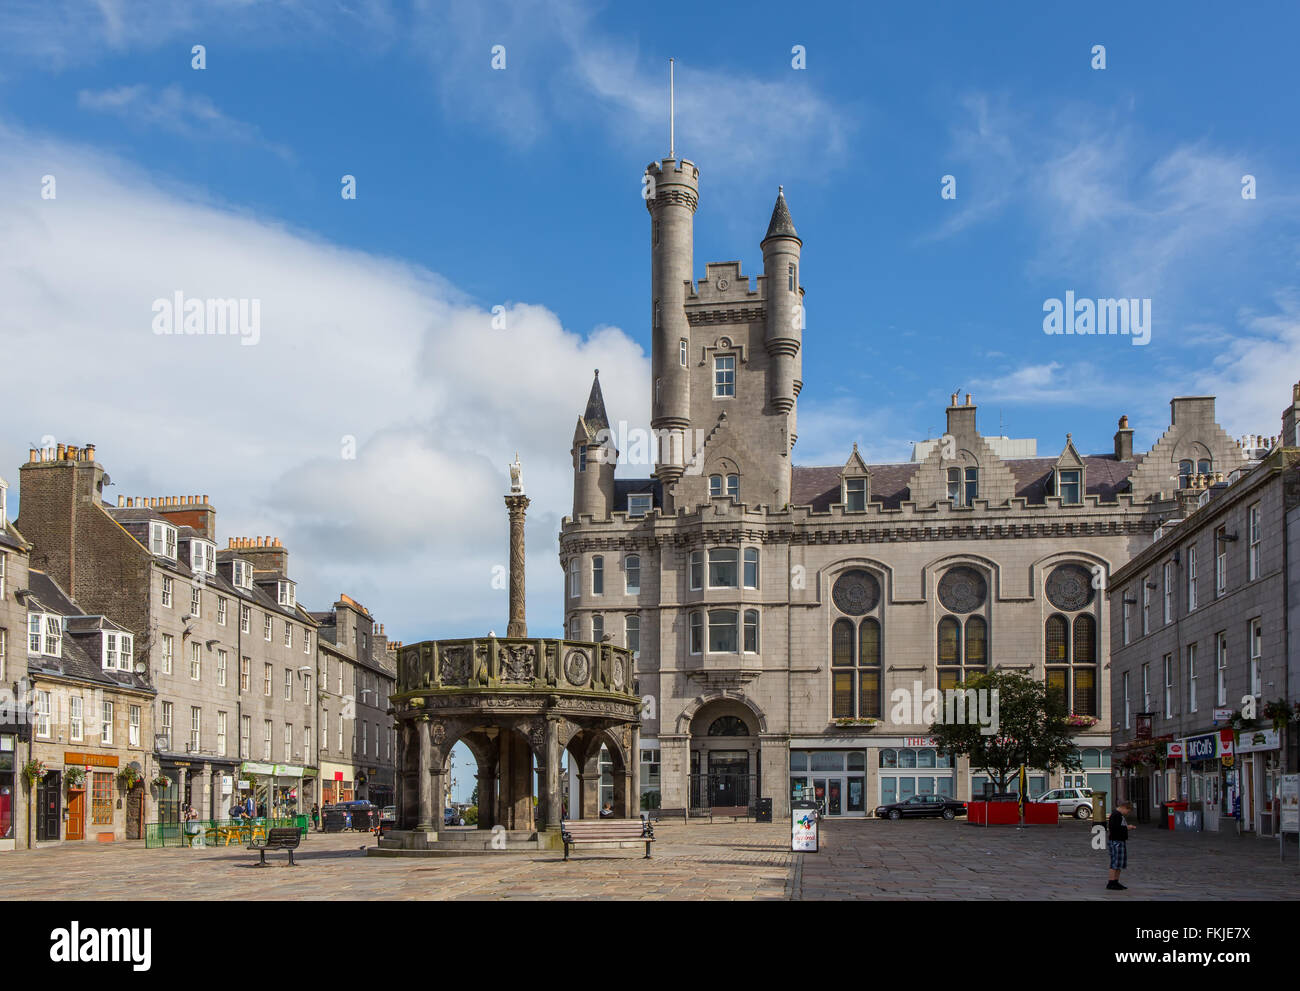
315,817
1117,830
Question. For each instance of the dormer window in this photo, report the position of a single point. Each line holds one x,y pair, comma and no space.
963,486
638,505
203,557
731,483
118,651
1069,486
855,495
162,540
45,634
284,594
242,574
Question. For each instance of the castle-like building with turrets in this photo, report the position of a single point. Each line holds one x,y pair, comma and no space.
786,617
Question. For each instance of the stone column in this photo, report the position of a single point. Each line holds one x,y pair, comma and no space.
774,758
425,782
589,778
674,771
487,786
517,505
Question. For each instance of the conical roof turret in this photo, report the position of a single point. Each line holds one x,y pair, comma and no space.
595,416
781,225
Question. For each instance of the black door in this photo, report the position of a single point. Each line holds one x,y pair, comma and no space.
49,812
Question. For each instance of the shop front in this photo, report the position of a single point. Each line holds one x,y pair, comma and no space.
1259,758
1210,781
337,783
276,788
835,779
9,775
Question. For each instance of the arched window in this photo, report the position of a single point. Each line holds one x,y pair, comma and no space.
751,567
722,567
697,632
751,631
977,645
723,637
1085,666
597,627
842,643
949,652
1055,637
715,486
632,573
733,486
632,633
728,726
1184,473
1203,466
869,700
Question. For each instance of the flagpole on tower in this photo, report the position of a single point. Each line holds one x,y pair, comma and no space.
672,114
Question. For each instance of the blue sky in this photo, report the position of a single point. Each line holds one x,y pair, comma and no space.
520,188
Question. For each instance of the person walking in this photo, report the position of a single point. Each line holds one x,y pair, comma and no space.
315,817
1117,830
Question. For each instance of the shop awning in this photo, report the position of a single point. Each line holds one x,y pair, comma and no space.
269,770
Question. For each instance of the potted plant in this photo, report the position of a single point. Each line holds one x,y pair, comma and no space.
33,771
128,777
161,782
74,776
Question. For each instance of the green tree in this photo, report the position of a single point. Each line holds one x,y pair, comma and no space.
1031,728
473,796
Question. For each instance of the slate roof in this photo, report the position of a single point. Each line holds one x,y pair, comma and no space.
781,224
595,415
81,646
819,487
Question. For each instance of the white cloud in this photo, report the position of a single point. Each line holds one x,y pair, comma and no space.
175,111
351,344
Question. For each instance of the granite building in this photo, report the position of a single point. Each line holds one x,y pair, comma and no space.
786,616
1203,668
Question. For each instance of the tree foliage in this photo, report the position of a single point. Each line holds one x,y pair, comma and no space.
1031,729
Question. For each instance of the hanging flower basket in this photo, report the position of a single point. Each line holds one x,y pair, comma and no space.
1279,712
74,776
128,777
33,771
162,782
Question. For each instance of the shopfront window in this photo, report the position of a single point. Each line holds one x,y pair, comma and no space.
8,750
650,793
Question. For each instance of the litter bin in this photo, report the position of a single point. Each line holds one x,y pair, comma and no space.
764,811
333,821
1098,806
1175,807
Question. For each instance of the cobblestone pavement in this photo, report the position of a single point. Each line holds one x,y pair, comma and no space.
860,859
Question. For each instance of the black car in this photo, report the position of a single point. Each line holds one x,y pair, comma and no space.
923,806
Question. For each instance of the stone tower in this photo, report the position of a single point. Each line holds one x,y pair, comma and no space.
672,217
783,330
594,458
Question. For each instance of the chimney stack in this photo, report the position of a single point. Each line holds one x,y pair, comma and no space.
1123,441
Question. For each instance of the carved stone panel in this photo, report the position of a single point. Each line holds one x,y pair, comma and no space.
577,668
518,663
455,665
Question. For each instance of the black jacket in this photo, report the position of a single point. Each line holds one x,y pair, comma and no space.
1117,827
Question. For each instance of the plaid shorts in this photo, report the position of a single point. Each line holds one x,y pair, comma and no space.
1118,854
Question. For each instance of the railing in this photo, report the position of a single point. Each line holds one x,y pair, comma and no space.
722,789
214,832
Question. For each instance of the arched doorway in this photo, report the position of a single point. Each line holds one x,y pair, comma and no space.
724,756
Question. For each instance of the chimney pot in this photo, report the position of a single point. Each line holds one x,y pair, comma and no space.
121,501
1123,422
954,399
205,500
968,399
61,452
90,452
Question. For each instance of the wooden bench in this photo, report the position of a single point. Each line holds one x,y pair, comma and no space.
735,811
606,832
657,815
279,838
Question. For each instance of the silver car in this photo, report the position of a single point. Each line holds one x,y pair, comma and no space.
1075,802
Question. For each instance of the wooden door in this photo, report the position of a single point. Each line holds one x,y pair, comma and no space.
76,815
49,814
